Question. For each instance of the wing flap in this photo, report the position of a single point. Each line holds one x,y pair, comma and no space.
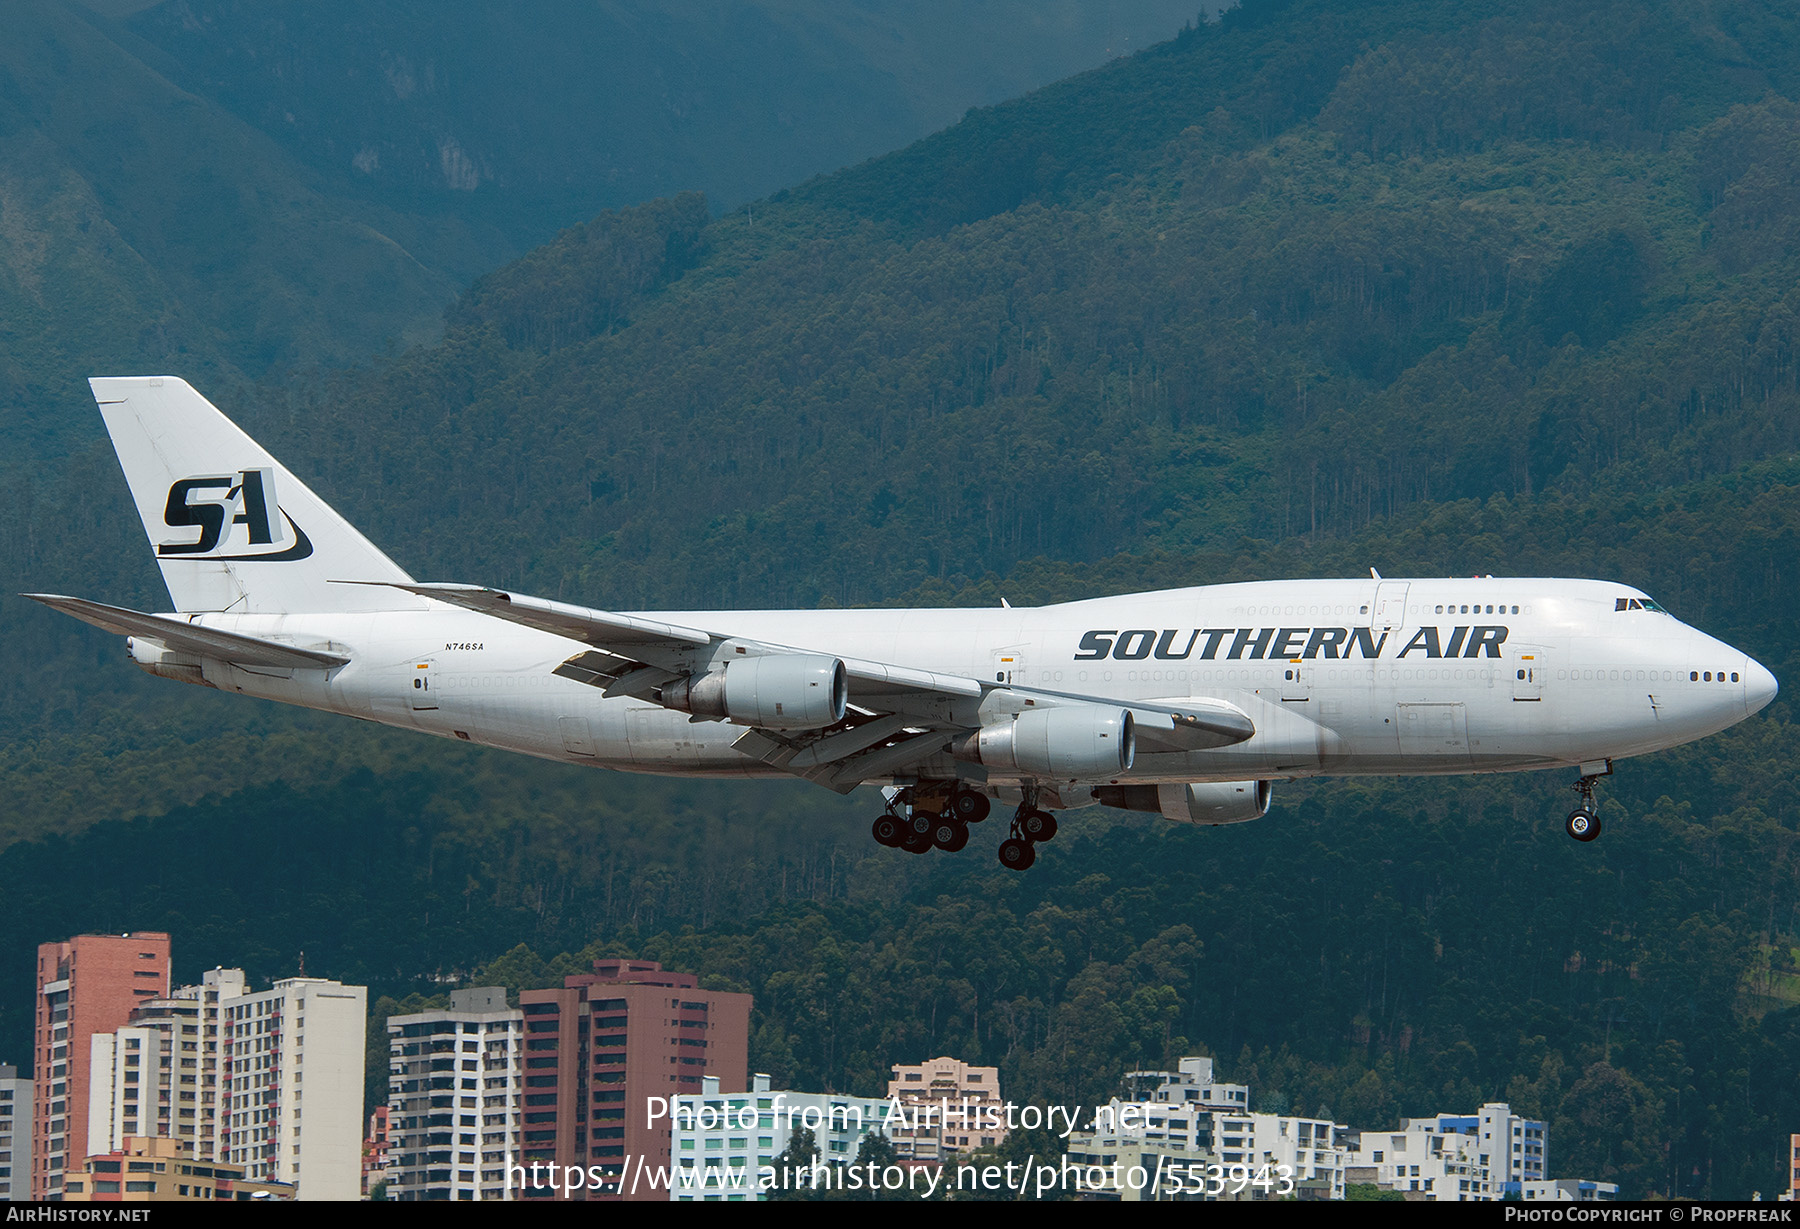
178,633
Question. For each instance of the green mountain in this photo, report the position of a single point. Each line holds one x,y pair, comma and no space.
244,190
529,117
1501,287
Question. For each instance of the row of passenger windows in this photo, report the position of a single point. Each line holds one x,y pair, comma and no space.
1694,676
1475,609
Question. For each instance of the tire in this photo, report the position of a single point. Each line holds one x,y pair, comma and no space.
1017,855
1038,826
887,831
969,806
914,843
1583,824
920,823
949,835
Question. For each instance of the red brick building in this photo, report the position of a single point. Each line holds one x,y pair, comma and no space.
600,1048
87,985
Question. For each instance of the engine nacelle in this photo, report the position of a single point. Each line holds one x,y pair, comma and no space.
1075,742
1203,802
788,691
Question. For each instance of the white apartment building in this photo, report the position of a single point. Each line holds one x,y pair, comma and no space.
1515,1145
163,1074
1425,1163
231,1073
295,1085
1191,1083
454,1094
723,1143
1254,1156
15,1135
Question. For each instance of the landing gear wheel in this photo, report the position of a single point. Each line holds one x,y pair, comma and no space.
920,824
1017,855
949,834
1037,826
1583,824
969,806
914,843
887,831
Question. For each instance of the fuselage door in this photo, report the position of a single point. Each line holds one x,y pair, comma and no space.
420,693
1390,604
1007,666
1528,673
1430,732
1294,683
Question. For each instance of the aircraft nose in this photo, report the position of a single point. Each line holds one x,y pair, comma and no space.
1759,685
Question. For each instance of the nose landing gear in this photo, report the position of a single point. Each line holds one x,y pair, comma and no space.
1583,822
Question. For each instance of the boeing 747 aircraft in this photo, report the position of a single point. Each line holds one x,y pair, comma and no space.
1186,702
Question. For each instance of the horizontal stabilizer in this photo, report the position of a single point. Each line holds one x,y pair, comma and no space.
186,637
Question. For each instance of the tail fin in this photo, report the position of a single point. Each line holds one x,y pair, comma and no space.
232,528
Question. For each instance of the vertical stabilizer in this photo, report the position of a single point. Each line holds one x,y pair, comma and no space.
232,528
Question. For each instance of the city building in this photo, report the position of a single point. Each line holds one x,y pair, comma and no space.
375,1152
1143,1151
1427,1160
601,1047
1515,1146
452,1121
158,1170
725,1146
15,1135
293,1114
952,1108
86,985
1563,1190
1191,1082
1186,1126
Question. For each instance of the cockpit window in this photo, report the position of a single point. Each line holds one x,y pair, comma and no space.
1635,603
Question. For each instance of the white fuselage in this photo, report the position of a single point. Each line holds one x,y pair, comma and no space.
1339,676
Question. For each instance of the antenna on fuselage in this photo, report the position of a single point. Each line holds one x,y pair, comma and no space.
1374,573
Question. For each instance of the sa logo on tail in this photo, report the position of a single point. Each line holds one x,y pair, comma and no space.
248,500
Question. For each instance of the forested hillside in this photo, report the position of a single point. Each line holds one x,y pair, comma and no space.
1499,287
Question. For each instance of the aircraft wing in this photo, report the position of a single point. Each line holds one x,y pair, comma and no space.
899,715
186,637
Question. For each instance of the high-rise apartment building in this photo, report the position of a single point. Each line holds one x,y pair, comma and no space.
15,1135
454,1086
953,1108
294,1097
599,1049
226,1073
86,985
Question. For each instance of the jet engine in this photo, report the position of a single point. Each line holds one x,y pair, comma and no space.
1203,802
788,691
1072,743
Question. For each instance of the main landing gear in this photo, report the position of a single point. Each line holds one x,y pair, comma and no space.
1030,827
1584,821
932,815
919,820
